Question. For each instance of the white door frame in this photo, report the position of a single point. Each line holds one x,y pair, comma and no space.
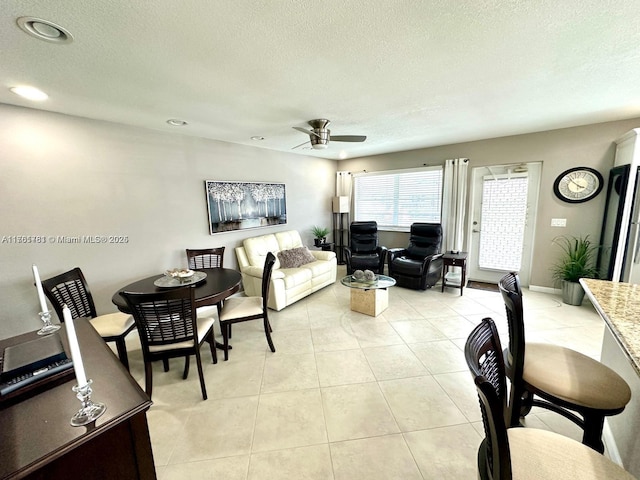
534,170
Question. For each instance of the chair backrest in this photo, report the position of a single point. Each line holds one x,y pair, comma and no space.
71,289
269,261
483,354
509,286
164,317
425,239
364,236
205,257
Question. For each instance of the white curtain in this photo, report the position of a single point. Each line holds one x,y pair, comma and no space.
454,199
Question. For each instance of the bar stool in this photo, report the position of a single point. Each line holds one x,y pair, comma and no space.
567,382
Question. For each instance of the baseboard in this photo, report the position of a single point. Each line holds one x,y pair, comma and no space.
610,444
551,290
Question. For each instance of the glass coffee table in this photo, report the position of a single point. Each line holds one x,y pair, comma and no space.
369,297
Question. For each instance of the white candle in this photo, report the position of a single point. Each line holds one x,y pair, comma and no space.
81,377
43,302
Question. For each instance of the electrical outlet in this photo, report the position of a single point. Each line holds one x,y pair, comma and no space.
558,222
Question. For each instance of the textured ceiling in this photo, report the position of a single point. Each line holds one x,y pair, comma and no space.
408,74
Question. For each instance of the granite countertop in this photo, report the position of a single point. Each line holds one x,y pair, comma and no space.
619,305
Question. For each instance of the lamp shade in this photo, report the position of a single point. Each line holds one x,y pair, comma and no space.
340,204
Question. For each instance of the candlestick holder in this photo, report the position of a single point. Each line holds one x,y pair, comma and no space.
48,327
89,411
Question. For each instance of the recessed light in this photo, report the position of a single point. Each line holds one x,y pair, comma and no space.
257,137
30,93
176,123
45,30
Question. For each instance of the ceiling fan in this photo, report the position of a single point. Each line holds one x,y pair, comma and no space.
320,135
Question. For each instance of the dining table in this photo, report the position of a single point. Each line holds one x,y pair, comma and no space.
218,284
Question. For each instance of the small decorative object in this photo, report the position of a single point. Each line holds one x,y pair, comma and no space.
578,184
45,313
89,411
182,274
577,261
358,275
369,275
320,235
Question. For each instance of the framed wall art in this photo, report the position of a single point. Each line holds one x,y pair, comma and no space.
242,205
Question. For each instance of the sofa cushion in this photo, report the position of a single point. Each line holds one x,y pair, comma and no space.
319,267
295,277
257,249
288,240
295,257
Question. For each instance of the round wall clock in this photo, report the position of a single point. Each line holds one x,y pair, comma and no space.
578,184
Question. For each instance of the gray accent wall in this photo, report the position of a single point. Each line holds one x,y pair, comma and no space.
67,176
590,146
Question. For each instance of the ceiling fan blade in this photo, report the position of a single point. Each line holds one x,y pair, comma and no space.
293,148
304,130
348,138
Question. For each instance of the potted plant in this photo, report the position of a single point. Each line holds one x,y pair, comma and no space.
577,261
320,235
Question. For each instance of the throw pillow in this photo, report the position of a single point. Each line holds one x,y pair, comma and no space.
295,257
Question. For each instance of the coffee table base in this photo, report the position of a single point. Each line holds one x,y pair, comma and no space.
370,302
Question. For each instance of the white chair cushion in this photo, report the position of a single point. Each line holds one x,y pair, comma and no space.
555,369
208,311
239,307
539,454
204,325
112,324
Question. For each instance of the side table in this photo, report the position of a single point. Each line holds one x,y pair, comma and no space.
451,259
326,247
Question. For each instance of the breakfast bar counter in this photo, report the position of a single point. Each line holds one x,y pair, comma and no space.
619,306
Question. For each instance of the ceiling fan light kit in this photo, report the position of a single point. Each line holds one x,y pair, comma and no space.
320,135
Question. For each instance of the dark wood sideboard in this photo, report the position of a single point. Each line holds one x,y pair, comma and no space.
37,441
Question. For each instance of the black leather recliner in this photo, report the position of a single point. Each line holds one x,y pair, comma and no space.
364,252
419,266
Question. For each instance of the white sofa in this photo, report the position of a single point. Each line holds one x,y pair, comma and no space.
288,285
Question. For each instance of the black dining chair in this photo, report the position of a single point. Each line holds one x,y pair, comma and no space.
168,328
564,381
205,257
242,309
522,452
71,289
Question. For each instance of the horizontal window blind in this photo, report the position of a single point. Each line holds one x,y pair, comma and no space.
396,200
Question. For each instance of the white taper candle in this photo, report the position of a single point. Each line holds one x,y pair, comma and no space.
78,366
36,278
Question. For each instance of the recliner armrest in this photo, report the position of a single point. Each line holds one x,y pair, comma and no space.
393,253
431,258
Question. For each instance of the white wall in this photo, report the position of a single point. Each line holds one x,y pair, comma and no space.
69,176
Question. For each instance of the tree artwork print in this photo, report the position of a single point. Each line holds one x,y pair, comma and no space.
241,205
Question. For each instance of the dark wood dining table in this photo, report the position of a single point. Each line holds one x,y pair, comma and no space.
219,284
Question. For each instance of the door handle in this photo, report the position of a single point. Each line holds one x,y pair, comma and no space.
475,231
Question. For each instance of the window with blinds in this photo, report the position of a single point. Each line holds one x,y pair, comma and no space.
397,199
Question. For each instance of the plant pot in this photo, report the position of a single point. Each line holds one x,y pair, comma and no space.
319,241
572,293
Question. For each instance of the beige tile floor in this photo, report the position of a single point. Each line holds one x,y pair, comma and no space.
346,396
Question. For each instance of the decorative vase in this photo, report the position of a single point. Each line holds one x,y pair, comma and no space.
319,241
572,293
